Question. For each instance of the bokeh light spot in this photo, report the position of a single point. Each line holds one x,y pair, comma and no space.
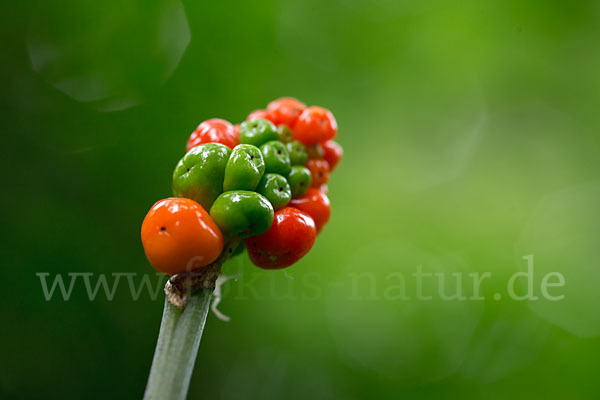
110,60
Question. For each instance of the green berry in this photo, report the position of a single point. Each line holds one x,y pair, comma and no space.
297,151
257,132
276,189
285,133
242,213
315,151
199,174
277,158
299,179
244,169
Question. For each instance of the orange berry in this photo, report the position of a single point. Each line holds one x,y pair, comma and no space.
316,204
315,125
178,235
285,110
319,171
333,153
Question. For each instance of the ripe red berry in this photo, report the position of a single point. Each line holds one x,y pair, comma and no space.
291,236
333,153
319,171
285,110
259,114
315,125
178,235
316,204
213,131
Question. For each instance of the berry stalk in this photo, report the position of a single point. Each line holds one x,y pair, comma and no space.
187,302
177,346
180,286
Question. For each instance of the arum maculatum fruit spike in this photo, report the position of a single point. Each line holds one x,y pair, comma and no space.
258,187
263,180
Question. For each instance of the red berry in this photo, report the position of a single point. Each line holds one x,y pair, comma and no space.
213,131
315,125
333,153
285,110
316,204
259,114
291,236
319,171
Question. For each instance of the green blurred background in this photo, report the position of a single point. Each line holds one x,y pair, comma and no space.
471,138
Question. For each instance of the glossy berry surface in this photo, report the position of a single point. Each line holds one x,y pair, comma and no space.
285,110
285,133
213,131
291,236
276,189
259,114
244,169
316,204
299,179
297,152
199,174
242,213
319,171
315,125
277,158
178,235
257,132
333,153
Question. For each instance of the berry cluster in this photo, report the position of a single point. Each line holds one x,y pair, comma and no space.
264,181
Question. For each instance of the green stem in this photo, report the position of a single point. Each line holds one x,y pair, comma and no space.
177,347
187,301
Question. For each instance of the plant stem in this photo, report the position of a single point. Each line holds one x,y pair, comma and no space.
179,286
187,302
177,347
